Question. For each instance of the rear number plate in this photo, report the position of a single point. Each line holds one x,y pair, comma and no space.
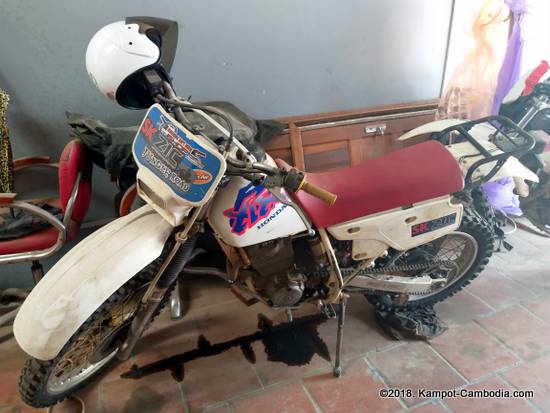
433,225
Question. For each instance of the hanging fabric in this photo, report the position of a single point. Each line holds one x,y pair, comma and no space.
470,91
511,67
501,193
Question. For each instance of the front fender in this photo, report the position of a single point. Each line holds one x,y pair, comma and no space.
85,277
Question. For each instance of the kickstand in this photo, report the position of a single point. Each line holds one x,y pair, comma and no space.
340,336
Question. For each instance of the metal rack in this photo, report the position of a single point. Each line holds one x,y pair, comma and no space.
507,136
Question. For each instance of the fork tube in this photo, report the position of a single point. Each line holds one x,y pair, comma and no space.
180,255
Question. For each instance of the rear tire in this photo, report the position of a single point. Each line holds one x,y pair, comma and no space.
484,208
40,384
471,225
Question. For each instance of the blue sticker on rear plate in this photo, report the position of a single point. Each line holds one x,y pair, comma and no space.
176,157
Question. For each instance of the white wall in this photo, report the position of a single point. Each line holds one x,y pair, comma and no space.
536,34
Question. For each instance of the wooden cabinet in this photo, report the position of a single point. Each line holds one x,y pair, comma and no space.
339,139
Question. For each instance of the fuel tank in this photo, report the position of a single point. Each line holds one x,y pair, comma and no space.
244,214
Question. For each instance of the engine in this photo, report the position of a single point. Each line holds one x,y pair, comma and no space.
281,267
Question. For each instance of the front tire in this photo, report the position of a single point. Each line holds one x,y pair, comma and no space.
90,350
475,229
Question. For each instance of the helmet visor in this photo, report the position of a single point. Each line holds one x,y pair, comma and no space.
161,31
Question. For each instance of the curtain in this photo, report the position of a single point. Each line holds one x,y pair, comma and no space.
511,67
470,91
501,192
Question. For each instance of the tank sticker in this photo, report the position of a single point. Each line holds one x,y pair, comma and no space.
253,204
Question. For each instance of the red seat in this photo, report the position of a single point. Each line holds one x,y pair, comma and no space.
403,177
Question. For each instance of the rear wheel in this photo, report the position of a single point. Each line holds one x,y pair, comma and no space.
463,255
90,350
484,208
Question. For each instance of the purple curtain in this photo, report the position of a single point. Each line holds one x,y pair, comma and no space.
501,192
511,66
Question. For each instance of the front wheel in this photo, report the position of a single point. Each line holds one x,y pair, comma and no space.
90,350
464,253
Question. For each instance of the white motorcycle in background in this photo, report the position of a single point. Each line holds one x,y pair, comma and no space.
399,229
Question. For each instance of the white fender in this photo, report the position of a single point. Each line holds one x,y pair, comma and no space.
85,277
466,154
431,127
482,132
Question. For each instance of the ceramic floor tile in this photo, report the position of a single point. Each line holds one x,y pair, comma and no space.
461,308
290,398
415,366
356,391
488,404
472,351
520,330
535,376
497,290
214,379
157,393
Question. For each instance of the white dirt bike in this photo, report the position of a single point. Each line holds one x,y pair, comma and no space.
399,229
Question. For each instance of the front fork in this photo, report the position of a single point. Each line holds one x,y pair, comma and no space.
167,275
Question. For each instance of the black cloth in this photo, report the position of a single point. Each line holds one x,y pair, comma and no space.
111,147
419,323
16,223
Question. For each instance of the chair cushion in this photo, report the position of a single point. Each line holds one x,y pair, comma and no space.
36,241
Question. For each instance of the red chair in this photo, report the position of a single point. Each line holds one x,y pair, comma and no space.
74,170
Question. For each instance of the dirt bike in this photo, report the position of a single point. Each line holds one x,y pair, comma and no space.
531,111
399,229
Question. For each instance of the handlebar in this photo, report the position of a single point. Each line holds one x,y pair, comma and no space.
292,180
317,192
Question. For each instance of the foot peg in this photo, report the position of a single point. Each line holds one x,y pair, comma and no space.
328,311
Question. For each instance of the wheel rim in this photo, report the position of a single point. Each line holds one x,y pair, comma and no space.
458,248
81,361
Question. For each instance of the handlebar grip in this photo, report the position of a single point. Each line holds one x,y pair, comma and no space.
318,192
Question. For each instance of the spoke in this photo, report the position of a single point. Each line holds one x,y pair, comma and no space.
76,360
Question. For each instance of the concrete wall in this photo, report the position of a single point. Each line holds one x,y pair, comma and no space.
271,58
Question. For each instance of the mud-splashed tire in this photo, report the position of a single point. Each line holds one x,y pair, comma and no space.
33,383
484,208
473,225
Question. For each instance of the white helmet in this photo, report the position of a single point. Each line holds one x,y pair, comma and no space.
120,52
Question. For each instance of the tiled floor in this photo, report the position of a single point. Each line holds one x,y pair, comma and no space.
498,338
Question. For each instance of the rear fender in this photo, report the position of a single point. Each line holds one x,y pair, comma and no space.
431,127
462,151
466,155
85,277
